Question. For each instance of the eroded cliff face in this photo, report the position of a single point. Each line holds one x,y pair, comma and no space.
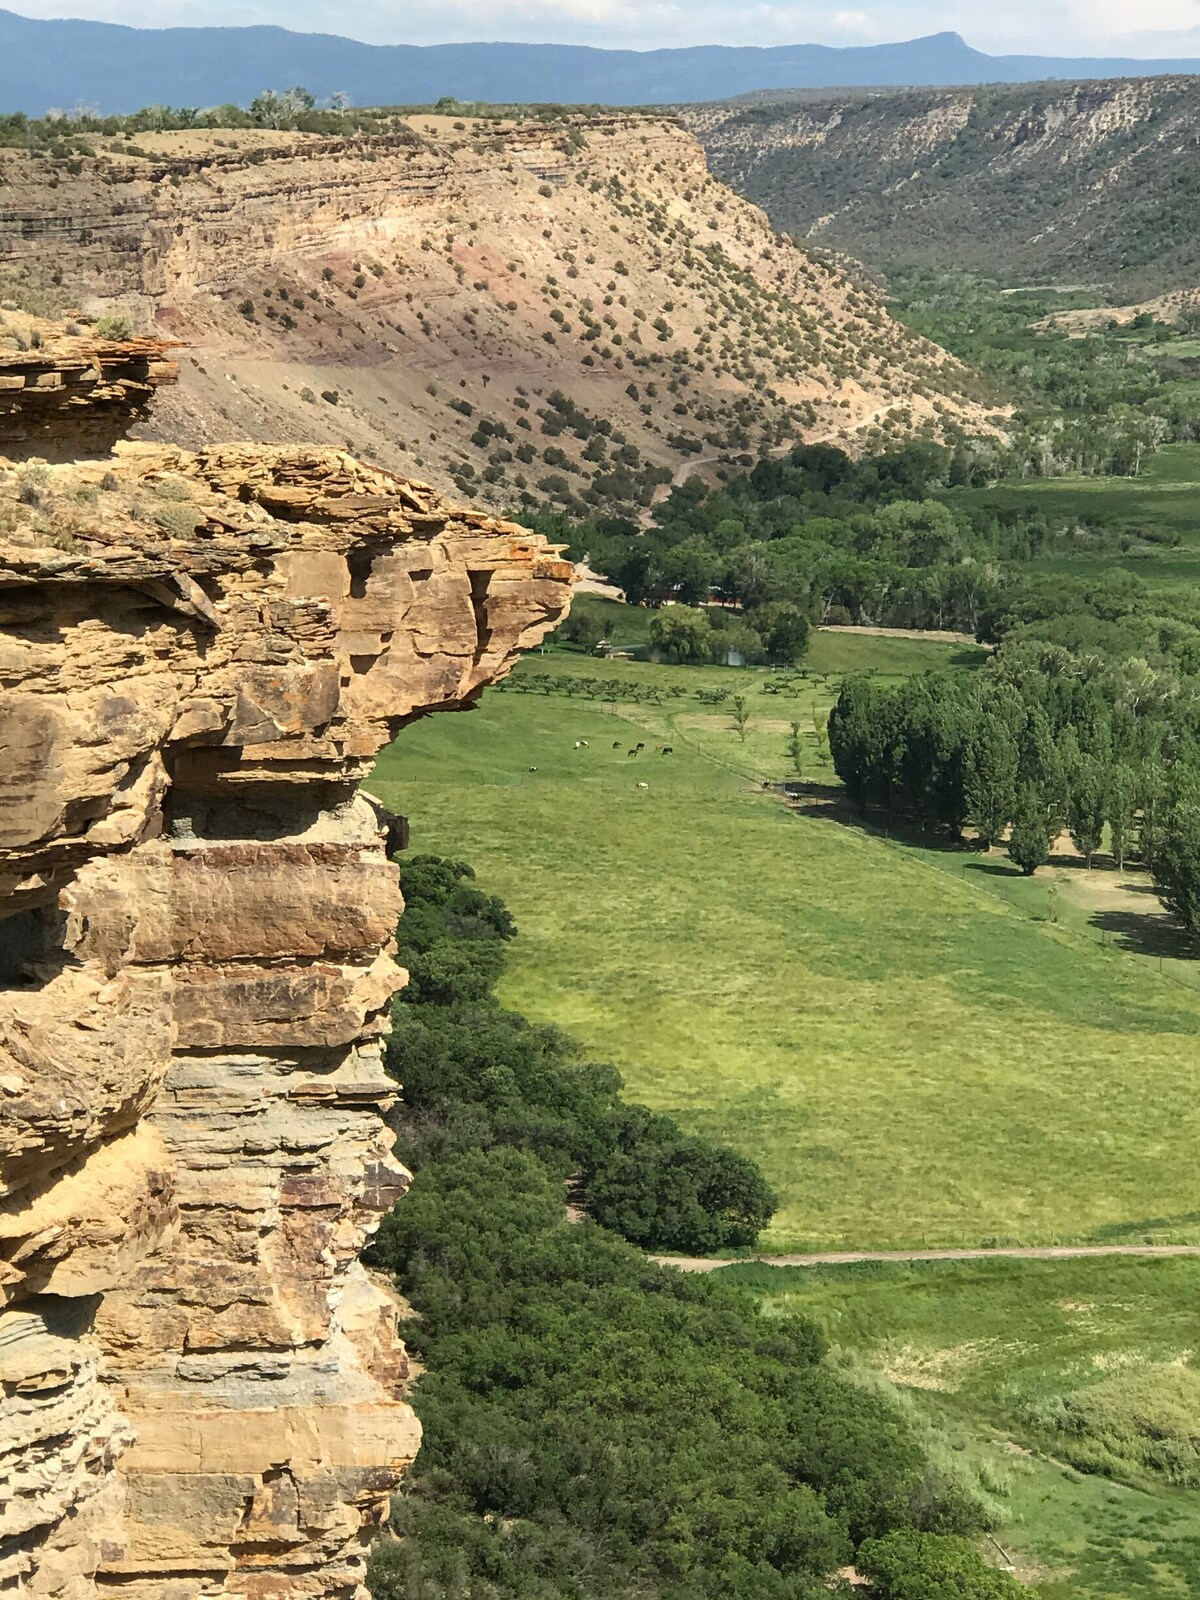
201,1388
1068,183
422,296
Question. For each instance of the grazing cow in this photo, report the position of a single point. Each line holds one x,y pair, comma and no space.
643,785
616,744
668,749
641,747
533,769
585,744
578,744
631,752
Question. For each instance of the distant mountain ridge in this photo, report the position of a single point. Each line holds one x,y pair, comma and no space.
59,63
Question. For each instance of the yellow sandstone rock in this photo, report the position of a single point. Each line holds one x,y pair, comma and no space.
201,1388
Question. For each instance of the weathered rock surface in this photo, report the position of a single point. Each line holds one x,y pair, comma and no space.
69,394
201,1388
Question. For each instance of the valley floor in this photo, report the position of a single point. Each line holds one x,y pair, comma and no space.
916,1059
927,1054
1066,1386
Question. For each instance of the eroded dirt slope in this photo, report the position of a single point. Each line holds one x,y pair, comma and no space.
572,310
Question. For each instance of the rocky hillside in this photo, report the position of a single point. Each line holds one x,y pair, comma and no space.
1091,183
202,1390
574,310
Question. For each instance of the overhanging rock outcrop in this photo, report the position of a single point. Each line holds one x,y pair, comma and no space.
67,394
201,1388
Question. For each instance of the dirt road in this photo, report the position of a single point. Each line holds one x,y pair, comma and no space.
845,1258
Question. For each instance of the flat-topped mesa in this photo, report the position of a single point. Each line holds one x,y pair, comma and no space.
201,1389
65,395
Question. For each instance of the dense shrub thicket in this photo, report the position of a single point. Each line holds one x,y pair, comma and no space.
597,1426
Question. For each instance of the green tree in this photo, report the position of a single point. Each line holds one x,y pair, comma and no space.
1152,803
679,634
741,716
1122,810
908,1565
678,1193
784,630
991,776
688,569
854,737
1088,786
795,750
1032,832
1040,767
1175,868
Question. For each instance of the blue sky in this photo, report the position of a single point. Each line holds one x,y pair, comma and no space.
1077,27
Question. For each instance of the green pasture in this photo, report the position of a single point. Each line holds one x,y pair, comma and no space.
1070,1387
1163,503
912,1059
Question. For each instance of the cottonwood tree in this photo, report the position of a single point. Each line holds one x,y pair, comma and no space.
1175,868
991,778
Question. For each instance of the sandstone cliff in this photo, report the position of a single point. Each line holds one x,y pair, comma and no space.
423,297
201,1388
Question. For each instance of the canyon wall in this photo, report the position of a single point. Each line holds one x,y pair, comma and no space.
1076,184
201,1387
429,296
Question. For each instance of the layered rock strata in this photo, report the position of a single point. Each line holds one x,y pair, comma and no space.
201,1388
434,294
63,395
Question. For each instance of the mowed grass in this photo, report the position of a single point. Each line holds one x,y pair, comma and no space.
911,1059
994,1354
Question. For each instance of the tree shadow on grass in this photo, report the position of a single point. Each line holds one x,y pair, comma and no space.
1136,1232
830,801
994,869
1146,933
812,798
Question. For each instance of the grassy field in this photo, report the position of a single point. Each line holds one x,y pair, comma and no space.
912,1059
1069,1386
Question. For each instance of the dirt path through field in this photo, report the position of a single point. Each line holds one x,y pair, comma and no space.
938,635
847,1258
